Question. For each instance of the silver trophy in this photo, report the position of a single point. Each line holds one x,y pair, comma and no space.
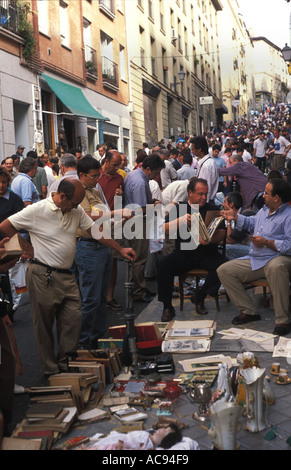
201,393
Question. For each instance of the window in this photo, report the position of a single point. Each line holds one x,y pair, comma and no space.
42,8
64,24
153,56
151,14
122,63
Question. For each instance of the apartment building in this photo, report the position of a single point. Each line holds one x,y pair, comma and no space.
237,59
71,90
271,77
175,73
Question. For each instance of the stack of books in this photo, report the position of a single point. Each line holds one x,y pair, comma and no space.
87,387
188,336
104,364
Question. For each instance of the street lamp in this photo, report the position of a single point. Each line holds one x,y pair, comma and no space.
286,52
181,75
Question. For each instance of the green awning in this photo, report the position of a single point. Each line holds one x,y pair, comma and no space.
73,98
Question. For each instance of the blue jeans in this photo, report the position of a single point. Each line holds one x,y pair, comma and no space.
94,265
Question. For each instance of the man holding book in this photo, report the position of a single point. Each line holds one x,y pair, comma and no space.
188,254
52,224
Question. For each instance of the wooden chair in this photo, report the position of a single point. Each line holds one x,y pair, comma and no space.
196,274
260,283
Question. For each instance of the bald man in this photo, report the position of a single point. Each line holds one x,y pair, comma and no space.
52,224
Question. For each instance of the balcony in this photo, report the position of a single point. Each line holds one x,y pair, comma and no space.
9,15
110,74
107,7
91,63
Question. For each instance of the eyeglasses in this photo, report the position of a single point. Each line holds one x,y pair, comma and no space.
93,177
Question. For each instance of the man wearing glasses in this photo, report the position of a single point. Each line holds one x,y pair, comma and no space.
269,257
93,260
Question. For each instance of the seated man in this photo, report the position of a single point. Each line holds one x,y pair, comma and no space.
205,256
269,257
237,241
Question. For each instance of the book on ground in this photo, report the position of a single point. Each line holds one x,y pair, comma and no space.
44,410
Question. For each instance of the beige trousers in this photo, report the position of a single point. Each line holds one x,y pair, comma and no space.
235,273
55,303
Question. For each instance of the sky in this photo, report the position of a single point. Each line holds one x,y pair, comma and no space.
268,18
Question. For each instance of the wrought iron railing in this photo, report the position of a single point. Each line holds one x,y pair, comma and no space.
91,60
9,15
109,71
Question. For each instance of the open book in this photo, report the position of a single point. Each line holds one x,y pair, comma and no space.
207,232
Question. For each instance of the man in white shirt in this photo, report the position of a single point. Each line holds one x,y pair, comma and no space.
260,146
282,147
54,296
207,168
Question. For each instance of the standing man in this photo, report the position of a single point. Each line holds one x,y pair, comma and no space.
186,172
19,152
282,147
23,184
220,163
111,183
40,180
8,163
93,259
251,181
68,169
53,292
260,146
137,192
207,169
269,257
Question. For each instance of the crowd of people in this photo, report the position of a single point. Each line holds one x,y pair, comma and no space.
241,170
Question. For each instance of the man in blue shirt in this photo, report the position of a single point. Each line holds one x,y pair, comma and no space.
137,194
23,184
269,257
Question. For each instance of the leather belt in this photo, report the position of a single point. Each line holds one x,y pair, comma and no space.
83,239
50,268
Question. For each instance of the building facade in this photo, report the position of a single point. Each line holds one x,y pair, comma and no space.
174,61
236,53
271,77
71,90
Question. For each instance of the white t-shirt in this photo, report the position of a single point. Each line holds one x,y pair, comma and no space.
260,148
246,156
52,233
208,170
280,145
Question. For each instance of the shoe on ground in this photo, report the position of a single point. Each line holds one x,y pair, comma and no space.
150,293
282,330
243,318
113,305
199,304
145,298
168,314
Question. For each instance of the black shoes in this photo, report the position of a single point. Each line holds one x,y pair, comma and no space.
113,305
282,330
199,304
243,318
168,314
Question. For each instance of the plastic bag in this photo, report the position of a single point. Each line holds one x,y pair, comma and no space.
17,277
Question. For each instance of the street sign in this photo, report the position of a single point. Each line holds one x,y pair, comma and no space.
206,99
235,103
